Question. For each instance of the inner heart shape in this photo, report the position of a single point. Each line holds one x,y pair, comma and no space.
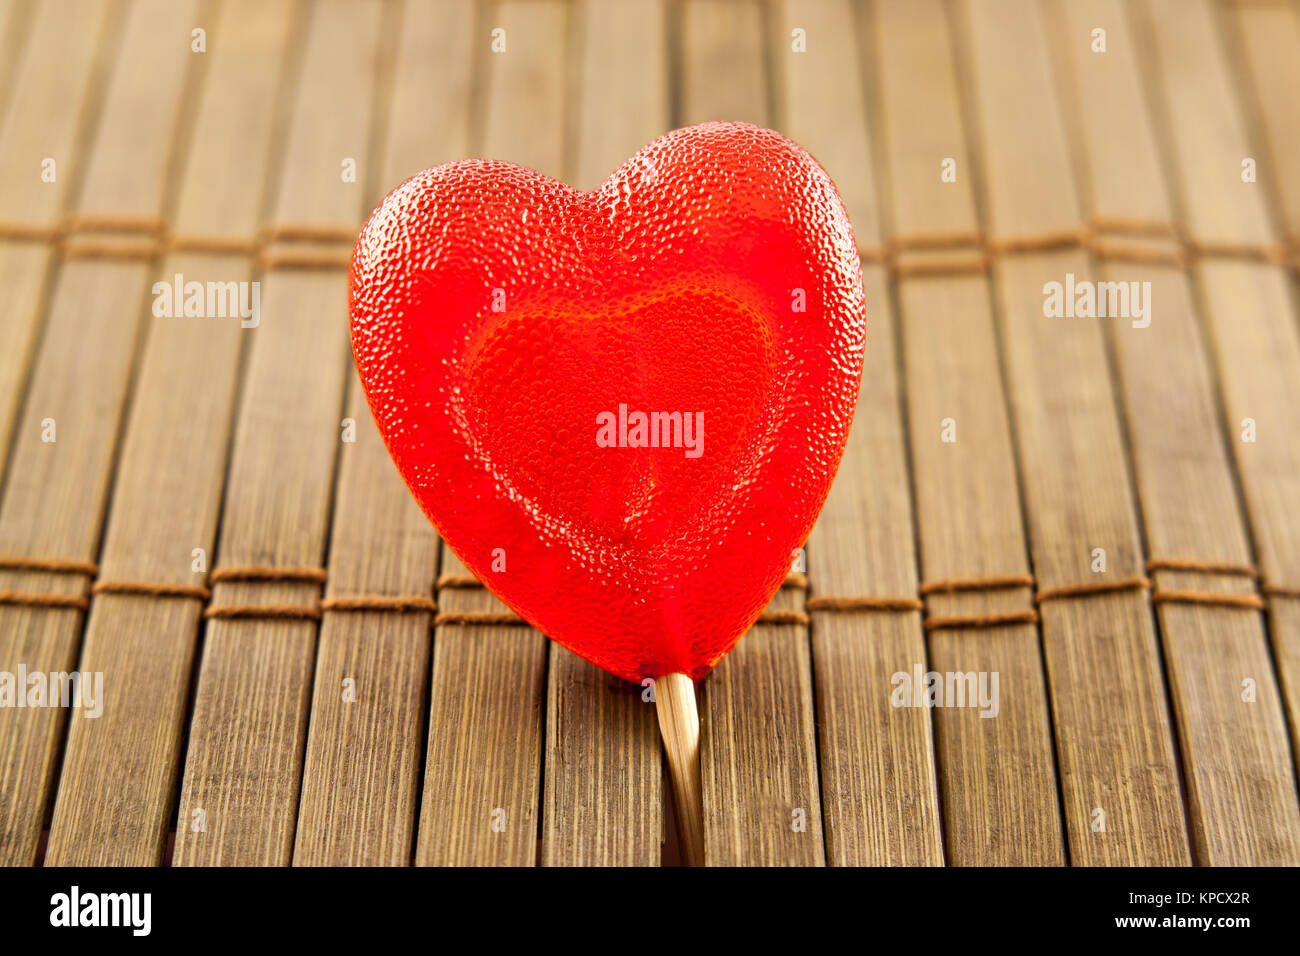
622,409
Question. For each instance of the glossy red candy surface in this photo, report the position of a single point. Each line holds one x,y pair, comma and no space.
509,331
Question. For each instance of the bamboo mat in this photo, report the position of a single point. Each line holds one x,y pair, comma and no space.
1107,517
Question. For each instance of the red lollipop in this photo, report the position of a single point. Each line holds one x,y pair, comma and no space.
622,409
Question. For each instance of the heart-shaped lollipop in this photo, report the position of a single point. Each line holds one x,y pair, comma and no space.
623,408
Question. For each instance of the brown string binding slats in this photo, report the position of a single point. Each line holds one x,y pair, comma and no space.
28,233
1184,596
479,617
305,232
1044,242
151,589
973,621
863,604
1092,587
414,602
1096,237
260,572
1112,251
1280,590
281,611
936,240
302,260
1208,567
215,245
973,258
783,617
29,599
796,581
75,248
1131,226
458,581
84,237
977,265
113,222
946,585
1158,595
1271,253
998,582
48,566
267,573
53,565
1174,596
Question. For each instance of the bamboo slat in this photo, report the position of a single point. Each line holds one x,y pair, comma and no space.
116,794
602,798
1269,61
13,31
820,103
483,763
56,491
1000,798
1200,100
1115,748
1001,804
1249,311
1236,762
242,772
54,105
45,119
361,776
1252,323
758,757
134,183
115,797
428,116
240,117
488,697
24,275
1119,171
877,763
240,791
1270,39
623,84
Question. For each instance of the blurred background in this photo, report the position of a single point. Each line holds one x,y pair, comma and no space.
1100,509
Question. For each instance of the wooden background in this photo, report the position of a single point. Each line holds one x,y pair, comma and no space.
1147,712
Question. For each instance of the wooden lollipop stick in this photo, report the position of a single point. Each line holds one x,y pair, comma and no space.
679,724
